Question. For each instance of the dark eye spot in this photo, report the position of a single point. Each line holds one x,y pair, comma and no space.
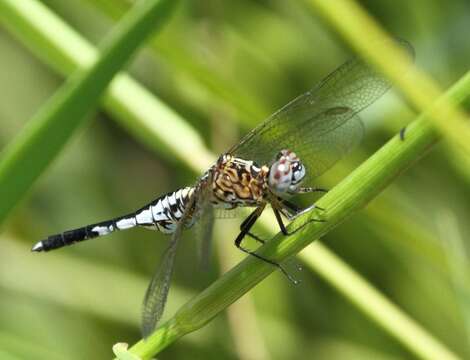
297,167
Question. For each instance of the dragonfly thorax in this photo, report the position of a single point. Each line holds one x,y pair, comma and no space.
286,173
238,182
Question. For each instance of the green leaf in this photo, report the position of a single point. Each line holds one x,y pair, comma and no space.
361,30
44,136
142,114
182,62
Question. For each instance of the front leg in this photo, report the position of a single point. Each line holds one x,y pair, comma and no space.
306,190
246,222
292,211
245,230
277,214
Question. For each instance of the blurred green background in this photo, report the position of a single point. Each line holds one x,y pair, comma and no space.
224,66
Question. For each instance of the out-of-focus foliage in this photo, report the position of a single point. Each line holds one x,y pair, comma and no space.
410,242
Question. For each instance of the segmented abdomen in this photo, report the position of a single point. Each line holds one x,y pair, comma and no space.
161,214
164,212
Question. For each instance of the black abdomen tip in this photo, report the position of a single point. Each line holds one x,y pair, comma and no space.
38,247
52,242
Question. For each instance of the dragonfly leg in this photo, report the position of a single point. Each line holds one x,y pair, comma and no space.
292,211
245,229
256,237
250,234
305,190
283,228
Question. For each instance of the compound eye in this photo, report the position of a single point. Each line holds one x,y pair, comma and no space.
280,176
296,167
281,153
298,172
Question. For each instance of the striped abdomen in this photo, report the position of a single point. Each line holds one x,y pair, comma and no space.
161,214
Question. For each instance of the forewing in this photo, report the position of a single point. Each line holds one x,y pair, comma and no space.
321,125
157,291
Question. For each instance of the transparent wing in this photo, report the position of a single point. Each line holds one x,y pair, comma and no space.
203,231
157,291
320,126
220,213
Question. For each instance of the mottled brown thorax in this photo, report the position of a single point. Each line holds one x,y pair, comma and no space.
237,182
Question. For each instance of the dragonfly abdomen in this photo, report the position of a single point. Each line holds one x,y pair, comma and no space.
162,214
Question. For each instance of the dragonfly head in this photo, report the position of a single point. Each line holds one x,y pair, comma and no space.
286,173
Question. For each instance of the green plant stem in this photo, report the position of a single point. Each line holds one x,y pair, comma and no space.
361,186
366,36
142,114
182,62
377,307
21,162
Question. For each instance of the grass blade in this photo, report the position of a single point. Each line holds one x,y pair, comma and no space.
27,156
366,36
377,307
219,88
129,103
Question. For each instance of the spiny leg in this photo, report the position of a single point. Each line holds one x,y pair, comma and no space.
250,234
247,225
283,228
305,190
292,211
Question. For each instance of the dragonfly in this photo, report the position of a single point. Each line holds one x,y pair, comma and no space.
279,158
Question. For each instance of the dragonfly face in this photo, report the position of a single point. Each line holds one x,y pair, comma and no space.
286,173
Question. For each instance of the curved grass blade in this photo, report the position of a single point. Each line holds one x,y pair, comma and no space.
183,62
130,104
28,155
421,90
